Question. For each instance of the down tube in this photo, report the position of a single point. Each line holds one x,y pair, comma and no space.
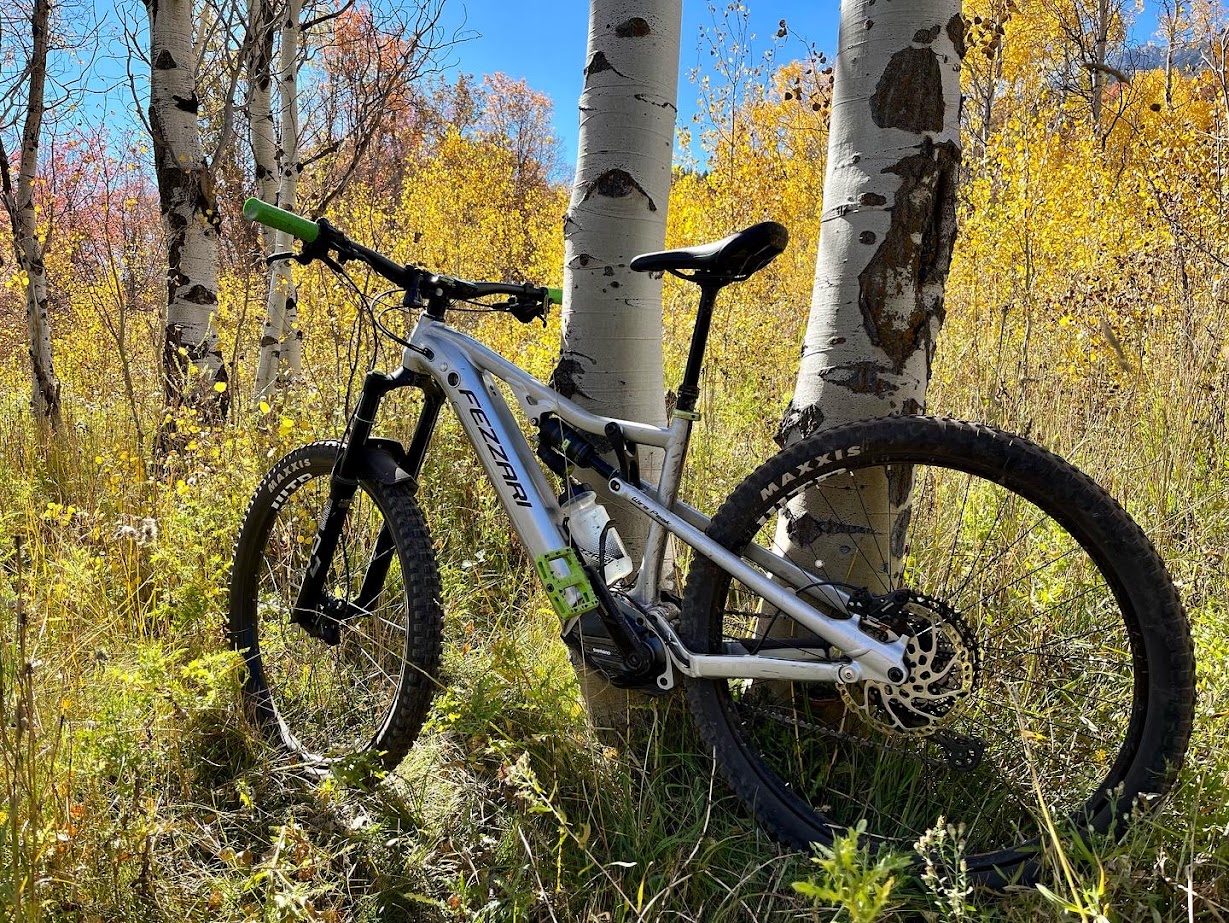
516,477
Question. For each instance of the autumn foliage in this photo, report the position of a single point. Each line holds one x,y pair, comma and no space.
1087,306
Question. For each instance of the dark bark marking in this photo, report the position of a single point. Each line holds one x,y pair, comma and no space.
873,198
608,271
925,206
580,261
909,95
900,484
190,104
926,36
165,61
565,377
267,341
617,184
661,103
803,421
836,341
867,237
806,530
199,294
598,63
636,27
861,378
955,32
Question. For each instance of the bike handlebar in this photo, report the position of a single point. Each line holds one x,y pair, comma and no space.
319,237
279,219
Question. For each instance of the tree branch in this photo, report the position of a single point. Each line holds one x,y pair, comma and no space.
1107,69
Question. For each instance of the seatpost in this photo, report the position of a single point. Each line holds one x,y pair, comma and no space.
689,390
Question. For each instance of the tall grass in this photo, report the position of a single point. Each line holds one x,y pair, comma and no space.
134,791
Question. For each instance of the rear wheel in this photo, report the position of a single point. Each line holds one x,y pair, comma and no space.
1050,663
359,678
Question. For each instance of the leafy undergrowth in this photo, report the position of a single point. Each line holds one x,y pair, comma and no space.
133,790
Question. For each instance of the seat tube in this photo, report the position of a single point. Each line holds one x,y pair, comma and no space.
648,584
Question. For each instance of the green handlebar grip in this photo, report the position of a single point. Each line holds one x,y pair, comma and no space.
281,220
555,295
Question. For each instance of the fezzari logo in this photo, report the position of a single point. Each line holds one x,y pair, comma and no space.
498,453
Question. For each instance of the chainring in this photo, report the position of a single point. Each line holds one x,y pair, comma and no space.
943,662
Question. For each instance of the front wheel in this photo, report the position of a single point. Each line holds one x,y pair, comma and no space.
1050,662
359,677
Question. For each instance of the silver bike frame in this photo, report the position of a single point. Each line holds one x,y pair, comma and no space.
467,372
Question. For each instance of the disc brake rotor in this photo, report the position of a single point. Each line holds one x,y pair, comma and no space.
942,659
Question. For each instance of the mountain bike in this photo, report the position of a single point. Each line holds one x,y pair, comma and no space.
885,624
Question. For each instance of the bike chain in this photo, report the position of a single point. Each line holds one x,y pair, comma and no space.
797,722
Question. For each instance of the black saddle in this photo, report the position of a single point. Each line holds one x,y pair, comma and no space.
733,259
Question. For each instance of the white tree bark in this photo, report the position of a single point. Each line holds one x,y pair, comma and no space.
889,216
611,356
281,338
888,226
261,15
189,206
19,203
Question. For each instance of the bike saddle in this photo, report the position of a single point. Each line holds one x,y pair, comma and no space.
733,259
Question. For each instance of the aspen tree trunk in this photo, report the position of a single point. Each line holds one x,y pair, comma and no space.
189,209
1100,50
611,358
260,104
888,226
281,339
19,202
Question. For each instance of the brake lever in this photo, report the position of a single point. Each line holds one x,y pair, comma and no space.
526,311
280,257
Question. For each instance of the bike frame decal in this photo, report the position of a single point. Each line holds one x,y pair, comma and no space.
498,456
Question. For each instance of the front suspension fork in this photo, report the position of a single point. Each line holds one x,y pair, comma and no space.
343,485
382,554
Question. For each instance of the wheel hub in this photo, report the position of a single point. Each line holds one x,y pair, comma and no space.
942,662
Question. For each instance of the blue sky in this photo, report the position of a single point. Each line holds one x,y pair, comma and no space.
544,43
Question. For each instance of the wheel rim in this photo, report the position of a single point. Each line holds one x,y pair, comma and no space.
1058,688
325,701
